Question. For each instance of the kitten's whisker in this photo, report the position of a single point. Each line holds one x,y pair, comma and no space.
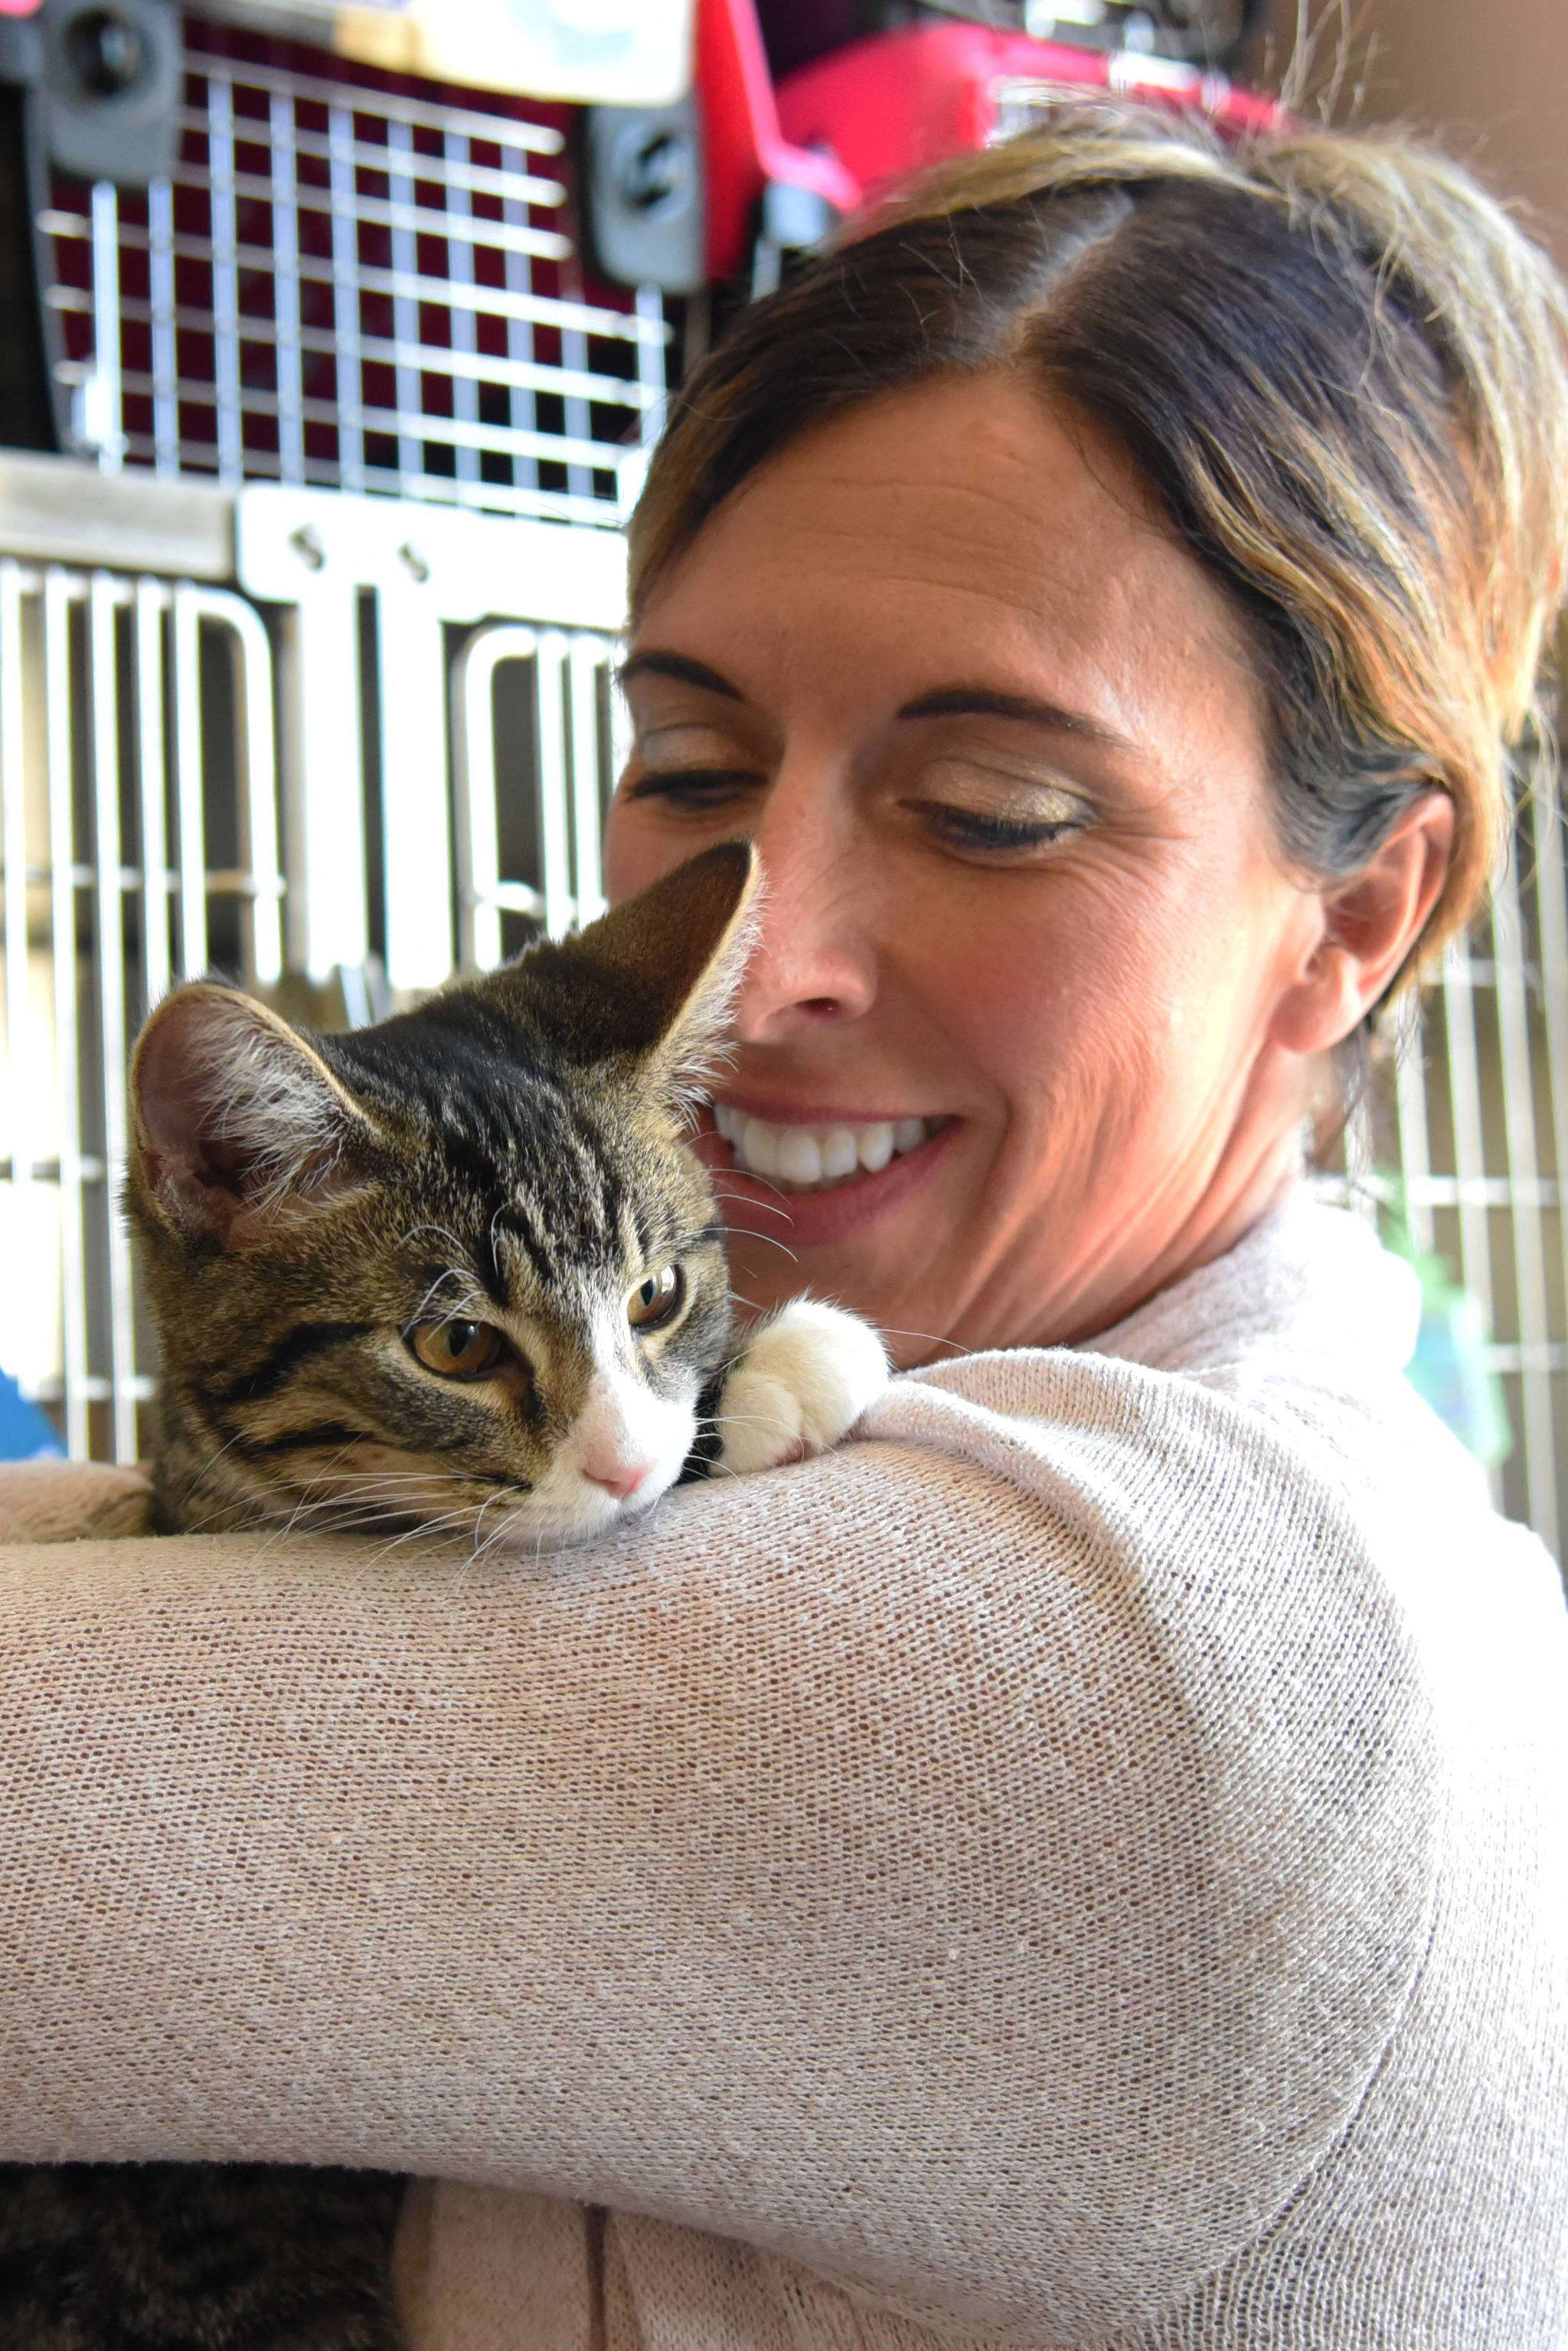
746,1420
933,1338
746,1200
392,1498
396,1481
765,1180
213,1459
425,1530
481,1550
439,1231
492,1542
387,1498
773,1241
195,1525
317,1480
432,1292
303,1504
479,1521
754,1306
476,1552
470,1299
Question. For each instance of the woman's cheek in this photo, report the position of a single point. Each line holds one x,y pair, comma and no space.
1035,993
637,850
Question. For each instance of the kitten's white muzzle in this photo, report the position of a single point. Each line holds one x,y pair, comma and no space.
626,1448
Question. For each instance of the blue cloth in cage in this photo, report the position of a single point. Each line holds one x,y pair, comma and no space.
25,1433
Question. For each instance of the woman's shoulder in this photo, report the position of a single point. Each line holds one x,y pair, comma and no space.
1308,1297
50,1501
1281,1364
1246,1457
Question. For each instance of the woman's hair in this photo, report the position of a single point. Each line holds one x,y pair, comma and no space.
1339,367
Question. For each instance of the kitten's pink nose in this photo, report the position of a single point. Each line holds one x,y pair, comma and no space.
617,1477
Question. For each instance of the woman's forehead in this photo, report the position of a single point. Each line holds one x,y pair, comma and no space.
960,521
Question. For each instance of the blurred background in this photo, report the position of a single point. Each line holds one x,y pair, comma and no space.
335,338
1492,80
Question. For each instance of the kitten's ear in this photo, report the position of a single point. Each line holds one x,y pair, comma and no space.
682,944
236,1121
657,976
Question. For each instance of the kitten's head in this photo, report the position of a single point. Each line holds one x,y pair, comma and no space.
460,1269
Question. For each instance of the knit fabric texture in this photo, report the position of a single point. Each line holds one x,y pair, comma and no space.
62,1502
1081,1866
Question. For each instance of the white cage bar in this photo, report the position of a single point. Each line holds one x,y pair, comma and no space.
1464,1139
154,823
103,712
347,286
569,683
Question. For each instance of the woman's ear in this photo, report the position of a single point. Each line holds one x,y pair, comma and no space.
1370,922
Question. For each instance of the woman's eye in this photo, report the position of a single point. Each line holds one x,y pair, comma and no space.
693,788
688,764
457,1351
982,829
658,1299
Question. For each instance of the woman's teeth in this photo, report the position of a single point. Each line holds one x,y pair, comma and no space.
801,1157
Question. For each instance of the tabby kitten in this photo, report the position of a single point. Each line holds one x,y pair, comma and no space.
458,1273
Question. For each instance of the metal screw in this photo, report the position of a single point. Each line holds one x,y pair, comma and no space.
653,169
307,543
412,562
108,53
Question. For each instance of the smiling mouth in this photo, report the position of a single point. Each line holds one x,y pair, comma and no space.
819,1158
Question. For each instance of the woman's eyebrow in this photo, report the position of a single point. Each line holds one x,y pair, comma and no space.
677,666
943,702
984,702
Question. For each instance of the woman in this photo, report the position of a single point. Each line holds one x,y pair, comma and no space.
1076,1866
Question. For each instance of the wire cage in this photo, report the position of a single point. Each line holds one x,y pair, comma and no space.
148,832
1462,1145
356,281
382,745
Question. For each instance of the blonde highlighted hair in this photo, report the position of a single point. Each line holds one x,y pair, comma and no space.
1340,368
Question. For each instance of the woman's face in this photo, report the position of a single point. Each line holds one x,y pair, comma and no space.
1001,744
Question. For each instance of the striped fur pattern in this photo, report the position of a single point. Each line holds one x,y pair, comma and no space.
507,1158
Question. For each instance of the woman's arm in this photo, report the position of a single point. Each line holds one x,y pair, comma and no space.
892,1860
69,1501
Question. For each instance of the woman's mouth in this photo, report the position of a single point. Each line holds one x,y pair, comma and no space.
818,1158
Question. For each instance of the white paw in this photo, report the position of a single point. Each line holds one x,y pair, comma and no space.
805,1379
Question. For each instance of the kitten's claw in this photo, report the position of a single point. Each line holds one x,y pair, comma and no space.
806,1377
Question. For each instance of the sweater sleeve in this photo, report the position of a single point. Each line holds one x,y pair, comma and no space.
985,1864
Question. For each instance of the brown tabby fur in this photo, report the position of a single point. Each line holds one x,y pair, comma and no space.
510,1151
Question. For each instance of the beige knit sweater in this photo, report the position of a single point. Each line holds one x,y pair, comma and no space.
1081,1866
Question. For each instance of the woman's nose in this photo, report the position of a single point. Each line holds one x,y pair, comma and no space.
814,960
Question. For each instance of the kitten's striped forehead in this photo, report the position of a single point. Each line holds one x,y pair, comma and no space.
543,1192
502,1156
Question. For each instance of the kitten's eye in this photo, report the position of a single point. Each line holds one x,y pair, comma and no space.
657,1300
458,1351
